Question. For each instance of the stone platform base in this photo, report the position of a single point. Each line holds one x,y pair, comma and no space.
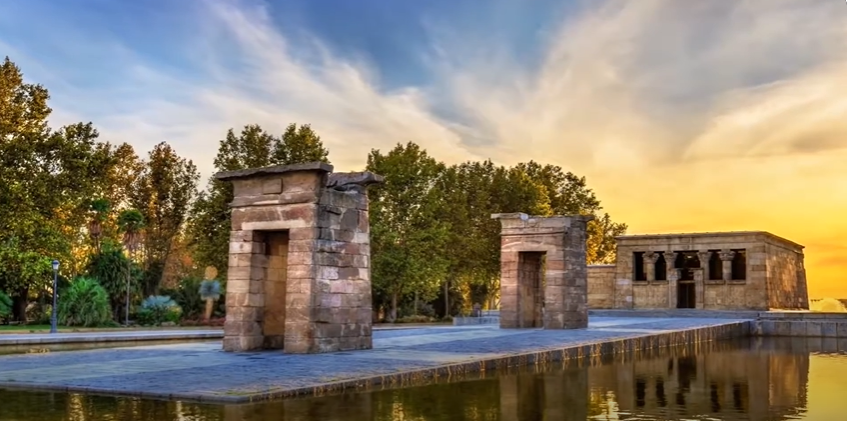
403,357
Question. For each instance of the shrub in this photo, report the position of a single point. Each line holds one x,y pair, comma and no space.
185,295
5,305
210,291
85,303
426,309
414,319
110,268
158,309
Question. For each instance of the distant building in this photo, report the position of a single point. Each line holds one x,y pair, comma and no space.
715,271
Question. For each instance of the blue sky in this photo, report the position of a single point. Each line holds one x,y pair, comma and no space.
748,94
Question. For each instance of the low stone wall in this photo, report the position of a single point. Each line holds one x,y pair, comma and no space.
816,325
484,320
762,323
600,282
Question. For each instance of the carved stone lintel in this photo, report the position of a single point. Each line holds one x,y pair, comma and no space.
352,180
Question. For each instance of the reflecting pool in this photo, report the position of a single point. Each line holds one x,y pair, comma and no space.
748,379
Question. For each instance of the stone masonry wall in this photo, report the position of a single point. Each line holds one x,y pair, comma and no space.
601,285
787,279
563,240
783,273
299,275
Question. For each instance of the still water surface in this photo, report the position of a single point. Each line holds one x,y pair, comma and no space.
750,379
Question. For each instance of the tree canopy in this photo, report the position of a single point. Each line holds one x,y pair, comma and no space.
67,194
209,227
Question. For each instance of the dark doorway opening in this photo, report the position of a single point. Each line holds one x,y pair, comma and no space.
274,288
686,294
531,295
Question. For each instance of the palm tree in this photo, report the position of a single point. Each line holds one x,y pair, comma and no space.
131,223
210,290
100,210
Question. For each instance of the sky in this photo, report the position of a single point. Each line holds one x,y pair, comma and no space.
684,116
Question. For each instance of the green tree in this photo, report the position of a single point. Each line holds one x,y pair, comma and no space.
210,222
407,239
299,144
569,194
110,267
23,106
163,192
46,180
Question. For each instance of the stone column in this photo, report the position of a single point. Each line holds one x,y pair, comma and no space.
704,261
649,259
726,257
699,274
245,294
574,313
672,274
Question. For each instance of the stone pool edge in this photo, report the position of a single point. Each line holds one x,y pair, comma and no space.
721,330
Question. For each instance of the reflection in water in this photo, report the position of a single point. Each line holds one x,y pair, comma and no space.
753,378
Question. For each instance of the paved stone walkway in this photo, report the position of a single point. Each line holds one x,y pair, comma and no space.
201,371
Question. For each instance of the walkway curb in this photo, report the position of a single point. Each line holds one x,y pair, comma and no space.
105,337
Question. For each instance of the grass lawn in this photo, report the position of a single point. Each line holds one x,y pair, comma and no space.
67,329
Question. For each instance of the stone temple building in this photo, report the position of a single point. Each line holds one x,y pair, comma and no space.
752,270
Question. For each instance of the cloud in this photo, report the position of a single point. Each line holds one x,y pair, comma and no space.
620,84
253,74
663,81
685,116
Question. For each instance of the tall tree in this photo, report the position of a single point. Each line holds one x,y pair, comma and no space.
407,239
569,194
209,228
163,192
299,144
46,179
23,106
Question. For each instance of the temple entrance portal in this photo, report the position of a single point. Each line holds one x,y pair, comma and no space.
543,271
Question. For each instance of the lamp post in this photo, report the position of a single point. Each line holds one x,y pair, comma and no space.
55,296
127,306
131,242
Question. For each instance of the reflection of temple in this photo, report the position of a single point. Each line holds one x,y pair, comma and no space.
722,381
725,380
747,379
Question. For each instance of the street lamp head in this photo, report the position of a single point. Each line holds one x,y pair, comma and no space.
55,265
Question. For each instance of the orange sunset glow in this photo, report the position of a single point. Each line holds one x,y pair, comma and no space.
684,116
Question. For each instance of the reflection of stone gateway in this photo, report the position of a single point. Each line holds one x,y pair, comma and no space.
299,276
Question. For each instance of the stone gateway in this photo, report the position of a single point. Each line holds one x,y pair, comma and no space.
543,271
299,264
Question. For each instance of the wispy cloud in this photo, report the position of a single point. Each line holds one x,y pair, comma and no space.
685,115
622,83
